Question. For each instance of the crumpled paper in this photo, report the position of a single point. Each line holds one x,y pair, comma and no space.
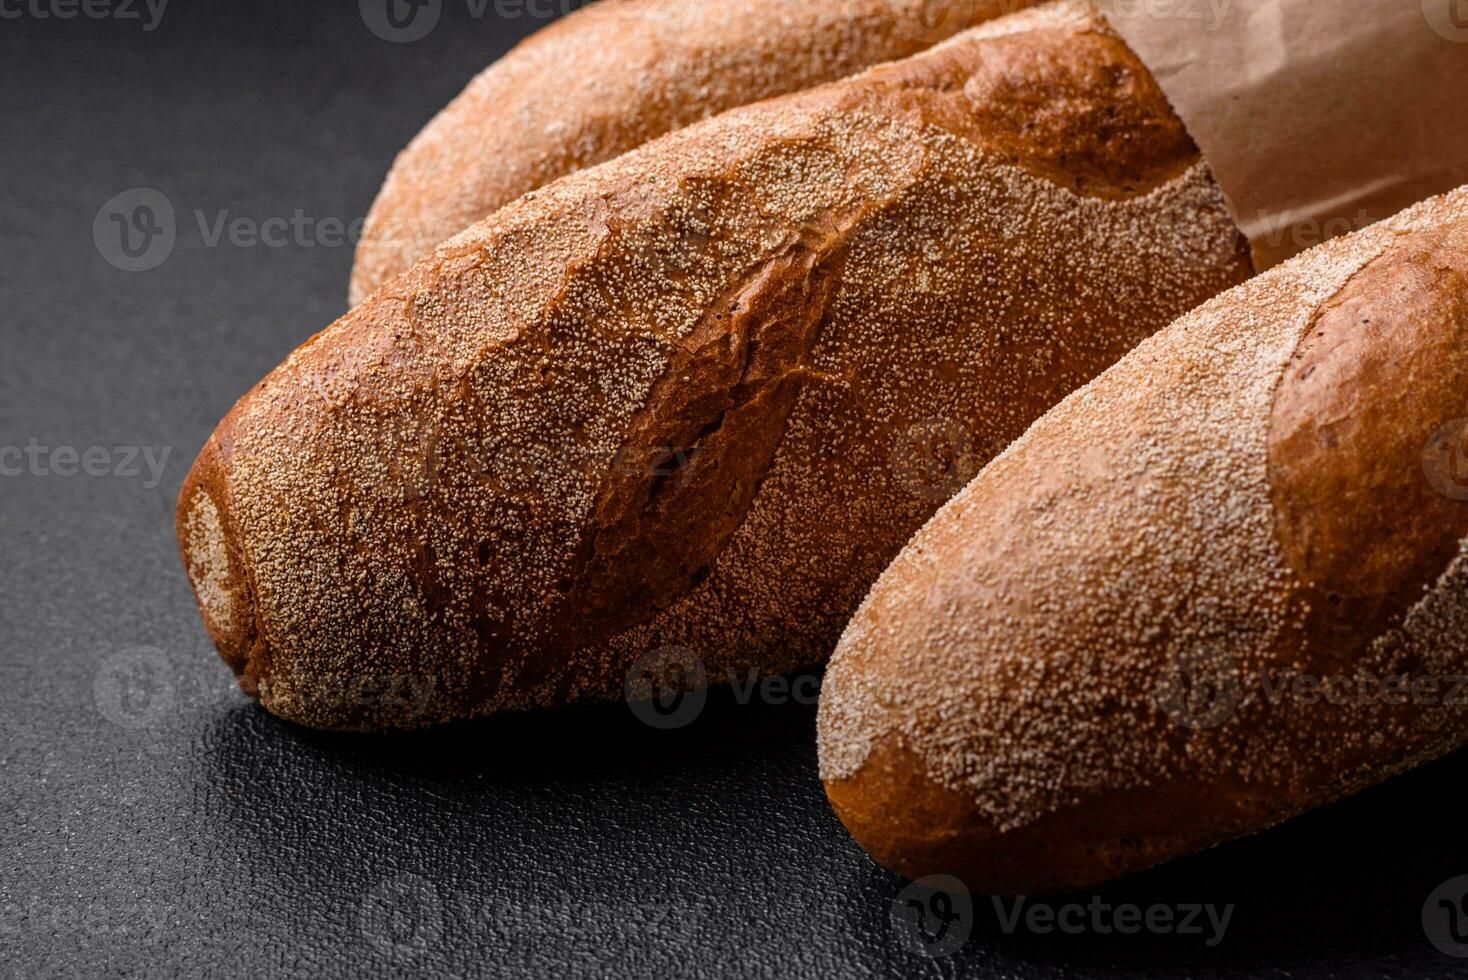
1318,117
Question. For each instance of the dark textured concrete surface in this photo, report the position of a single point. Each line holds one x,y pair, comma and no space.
154,822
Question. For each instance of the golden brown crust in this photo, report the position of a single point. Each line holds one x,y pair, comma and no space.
612,76
1036,105
1363,396
672,399
1169,614
917,827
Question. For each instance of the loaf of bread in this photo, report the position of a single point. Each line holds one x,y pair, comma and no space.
1223,583
699,396
610,77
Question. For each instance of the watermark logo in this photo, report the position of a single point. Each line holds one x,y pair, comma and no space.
667,688
1445,460
400,21
934,459
1445,917
1200,689
405,21
134,688
933,917
1449,18
402,917
931,21
135,230
1210,14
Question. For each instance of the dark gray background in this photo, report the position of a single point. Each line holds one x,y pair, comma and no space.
156,823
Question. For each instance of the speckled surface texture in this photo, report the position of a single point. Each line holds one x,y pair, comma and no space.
156,823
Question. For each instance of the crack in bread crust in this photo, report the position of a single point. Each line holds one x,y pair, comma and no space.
721,407
436,484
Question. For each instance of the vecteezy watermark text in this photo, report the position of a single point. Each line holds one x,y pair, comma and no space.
405,916
404,696
143,688
1100,917
297,229
930,21
1205,692
934,917
128,462
149,12
668,687
1306,233
137,230
404,21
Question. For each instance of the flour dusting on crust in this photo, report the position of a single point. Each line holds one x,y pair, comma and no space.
455,481
1018,643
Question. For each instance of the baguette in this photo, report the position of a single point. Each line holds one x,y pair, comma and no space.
610,77
1186,605
680,398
